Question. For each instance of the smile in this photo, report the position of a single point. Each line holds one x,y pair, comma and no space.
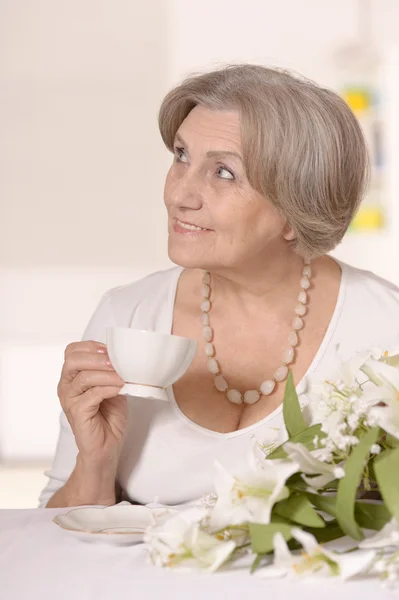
189,226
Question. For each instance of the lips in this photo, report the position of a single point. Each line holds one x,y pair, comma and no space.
189,226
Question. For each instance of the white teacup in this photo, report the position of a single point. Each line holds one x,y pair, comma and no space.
148,361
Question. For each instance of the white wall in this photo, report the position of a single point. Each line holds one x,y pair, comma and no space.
82,165
300,35
81,158
42,309
81,171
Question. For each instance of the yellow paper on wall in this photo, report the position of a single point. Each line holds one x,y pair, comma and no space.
368,218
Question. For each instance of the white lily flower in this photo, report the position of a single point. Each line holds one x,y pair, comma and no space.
272,438
332,399
181,544
346,375
387,537
314,561
209,552
351,369
387,416
386,373
250,494
309,464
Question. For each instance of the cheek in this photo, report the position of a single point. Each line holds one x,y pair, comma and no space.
250,221
168,188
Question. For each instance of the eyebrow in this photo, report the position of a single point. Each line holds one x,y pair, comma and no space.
211,153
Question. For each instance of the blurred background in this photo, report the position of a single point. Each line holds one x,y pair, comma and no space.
82,164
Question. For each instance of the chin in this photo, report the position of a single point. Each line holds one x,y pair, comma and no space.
191,259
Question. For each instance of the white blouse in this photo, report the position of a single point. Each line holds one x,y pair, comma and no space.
166,457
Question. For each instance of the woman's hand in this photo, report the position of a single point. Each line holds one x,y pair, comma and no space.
88,391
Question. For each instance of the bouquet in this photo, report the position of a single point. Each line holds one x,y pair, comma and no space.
324,503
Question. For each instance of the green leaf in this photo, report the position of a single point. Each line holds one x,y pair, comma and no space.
391,441
298,509
306,438
331,486
372,516
331,532
257,562
295,483
348,485
386,467
277,453
367,514
326,504
371,471
279,519
293,417
262,535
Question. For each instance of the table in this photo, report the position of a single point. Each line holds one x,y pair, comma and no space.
38,560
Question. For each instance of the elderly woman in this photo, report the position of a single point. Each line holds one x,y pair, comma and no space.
267,173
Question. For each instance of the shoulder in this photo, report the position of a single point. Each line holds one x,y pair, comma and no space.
143,304
369,311
367,288
366,316
152,287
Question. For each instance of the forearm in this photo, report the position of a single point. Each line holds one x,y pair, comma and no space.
89,484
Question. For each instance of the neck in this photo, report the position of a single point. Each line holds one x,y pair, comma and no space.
272,282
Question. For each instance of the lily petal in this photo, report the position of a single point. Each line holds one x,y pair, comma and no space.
387,372
388,536
249,494
308,463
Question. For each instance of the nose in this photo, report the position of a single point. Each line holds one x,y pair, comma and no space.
187,192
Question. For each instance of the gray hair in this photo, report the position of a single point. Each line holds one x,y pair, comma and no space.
303,148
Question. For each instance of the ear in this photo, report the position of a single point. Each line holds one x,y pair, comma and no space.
288,233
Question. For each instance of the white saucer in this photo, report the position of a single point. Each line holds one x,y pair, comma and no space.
144,391
117,525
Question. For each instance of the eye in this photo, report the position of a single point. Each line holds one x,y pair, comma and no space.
180,155
225,173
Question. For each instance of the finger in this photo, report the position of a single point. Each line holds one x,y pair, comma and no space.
88,403
84,361
86,346
89,379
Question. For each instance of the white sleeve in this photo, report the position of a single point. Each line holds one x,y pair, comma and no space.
66,451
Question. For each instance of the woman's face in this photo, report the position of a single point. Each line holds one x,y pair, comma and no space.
216,220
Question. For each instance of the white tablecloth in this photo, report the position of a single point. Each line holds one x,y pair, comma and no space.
38,560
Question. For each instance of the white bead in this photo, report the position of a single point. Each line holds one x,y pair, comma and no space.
207,333
234,396
307,271
293,339
206,290
251,396
209,349
205,318
213,366
303,297
206,279
267,387
288,355
305,283
205,305
220,383
300,310
281,373
297,323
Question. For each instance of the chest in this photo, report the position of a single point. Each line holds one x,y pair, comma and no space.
248,353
